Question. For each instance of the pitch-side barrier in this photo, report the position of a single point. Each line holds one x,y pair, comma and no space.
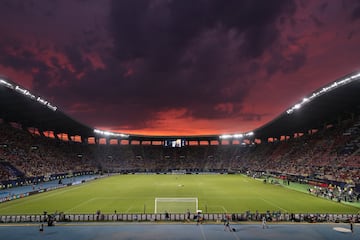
204,217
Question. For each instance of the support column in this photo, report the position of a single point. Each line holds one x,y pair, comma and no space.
84,140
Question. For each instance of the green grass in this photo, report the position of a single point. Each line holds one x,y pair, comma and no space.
137,193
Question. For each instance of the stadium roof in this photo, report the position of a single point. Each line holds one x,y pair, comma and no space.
19,105
326,105
323,106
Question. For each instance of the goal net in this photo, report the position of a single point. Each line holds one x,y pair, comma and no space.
176,205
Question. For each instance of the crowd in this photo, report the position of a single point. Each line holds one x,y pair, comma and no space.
332,153
322,155
25,155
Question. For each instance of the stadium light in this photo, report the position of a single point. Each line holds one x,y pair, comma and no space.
46,103
106,133
6,84
237,136
225,136
249,134
28,94
24,92
324,90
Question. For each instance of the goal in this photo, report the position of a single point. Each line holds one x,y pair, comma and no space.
176,205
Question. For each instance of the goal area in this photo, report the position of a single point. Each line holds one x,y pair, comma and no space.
176,205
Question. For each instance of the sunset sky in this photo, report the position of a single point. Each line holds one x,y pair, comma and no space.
177,67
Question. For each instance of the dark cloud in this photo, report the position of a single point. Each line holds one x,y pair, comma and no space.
29,8
193,55
163,29
75,57
317,21
20,6
252,116
323,6
286,61
191,49
355,15
12,54
128,62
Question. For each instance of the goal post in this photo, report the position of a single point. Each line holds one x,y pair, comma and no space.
176,205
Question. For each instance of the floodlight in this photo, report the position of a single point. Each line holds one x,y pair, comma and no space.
225,136
106,133
238,135
9,85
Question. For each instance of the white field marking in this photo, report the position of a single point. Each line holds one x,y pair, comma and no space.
127,210
235,235
224,209
202,232
39,196
220,206
96,199
267,201
275,205
341,229
106,198
81,204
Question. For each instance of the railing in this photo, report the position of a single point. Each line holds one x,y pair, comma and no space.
206,217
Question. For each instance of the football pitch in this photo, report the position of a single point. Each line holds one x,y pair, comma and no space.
137,193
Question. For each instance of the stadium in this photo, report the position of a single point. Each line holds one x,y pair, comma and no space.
302,167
